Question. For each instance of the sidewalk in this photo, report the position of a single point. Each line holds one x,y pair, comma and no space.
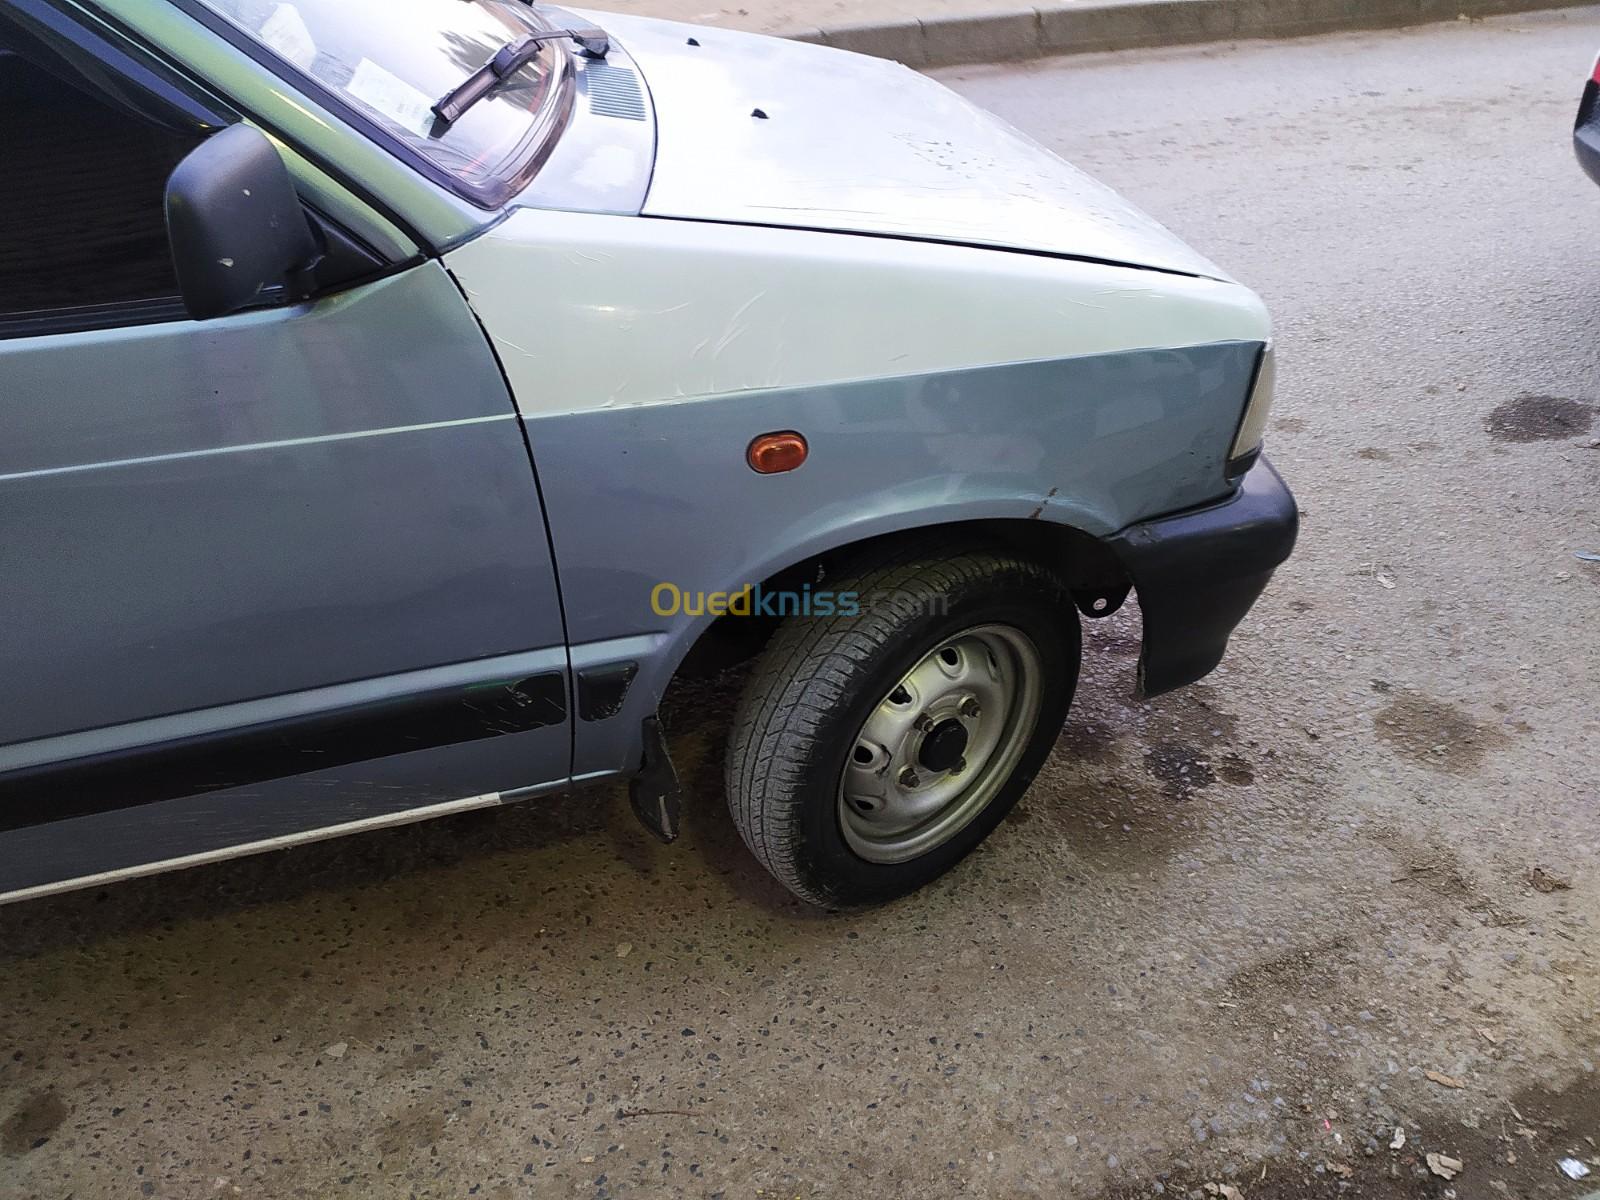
924,33
789,18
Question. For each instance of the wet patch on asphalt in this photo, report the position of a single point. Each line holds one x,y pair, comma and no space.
1106,824
1531,418
419,1058
1088,740
32,1123
1296,971
1182,769
1436,734
416,1127
1235,769
1132,783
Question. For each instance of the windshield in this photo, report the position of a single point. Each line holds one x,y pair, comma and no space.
391,59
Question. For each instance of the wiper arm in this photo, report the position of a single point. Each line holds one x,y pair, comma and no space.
508,60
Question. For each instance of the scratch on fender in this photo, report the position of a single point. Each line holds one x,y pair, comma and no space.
1034,515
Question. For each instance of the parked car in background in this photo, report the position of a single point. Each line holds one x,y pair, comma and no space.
399,395
1586,130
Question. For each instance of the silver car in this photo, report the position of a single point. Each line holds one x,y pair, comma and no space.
397,396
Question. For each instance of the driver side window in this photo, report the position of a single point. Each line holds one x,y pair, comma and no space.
82,220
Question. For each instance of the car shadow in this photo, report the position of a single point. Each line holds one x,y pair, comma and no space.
697,716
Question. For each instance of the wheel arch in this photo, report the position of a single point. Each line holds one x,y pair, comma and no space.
1086,563
1060,530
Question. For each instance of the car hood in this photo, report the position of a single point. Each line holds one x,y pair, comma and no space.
764,131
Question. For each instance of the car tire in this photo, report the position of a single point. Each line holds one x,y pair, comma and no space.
983,645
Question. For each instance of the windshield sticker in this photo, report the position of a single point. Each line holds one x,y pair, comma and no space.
391,96
285,31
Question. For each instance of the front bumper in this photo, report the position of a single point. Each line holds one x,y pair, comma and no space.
1198,572
1586,131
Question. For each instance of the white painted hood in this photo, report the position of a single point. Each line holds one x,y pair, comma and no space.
861,145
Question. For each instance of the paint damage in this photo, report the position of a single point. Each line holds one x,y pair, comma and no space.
1048,496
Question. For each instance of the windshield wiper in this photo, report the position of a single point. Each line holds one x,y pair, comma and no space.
508,60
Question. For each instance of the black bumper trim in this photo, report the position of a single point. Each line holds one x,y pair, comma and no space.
1198,572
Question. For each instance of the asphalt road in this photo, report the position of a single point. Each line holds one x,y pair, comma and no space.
1229,934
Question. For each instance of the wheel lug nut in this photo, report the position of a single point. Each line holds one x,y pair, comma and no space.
961,765
908,778
924,723
970,708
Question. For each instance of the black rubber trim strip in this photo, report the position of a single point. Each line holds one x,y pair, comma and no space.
87,317
602,690
1198,572
1238,468
279,749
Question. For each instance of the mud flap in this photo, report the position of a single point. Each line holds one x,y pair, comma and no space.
1198,572
654,791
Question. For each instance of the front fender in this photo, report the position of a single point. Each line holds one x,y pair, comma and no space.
662,494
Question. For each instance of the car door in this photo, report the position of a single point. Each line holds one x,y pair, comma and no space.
260,575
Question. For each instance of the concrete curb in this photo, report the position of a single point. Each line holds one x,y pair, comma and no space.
1080,26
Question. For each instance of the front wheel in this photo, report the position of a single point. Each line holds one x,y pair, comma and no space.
872,752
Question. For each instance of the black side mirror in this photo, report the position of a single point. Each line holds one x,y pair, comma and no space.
236,225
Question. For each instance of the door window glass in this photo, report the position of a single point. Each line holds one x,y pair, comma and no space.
82,187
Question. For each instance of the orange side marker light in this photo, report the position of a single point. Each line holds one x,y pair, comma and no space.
772,453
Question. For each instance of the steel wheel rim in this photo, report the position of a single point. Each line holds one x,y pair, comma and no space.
940,745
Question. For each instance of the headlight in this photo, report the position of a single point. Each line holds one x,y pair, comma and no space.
1254,423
